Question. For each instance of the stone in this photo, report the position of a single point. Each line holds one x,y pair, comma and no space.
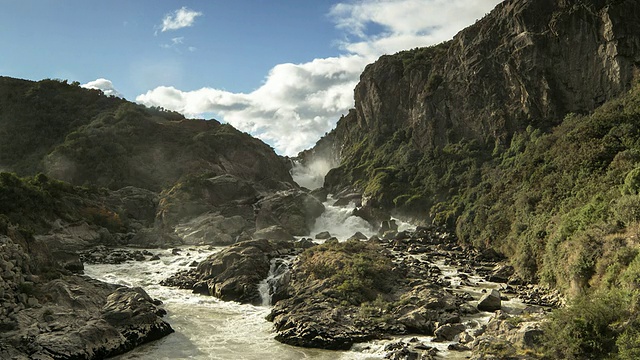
358,236
274,232
323,235
293,210
501,273
448,332
490,301
234,273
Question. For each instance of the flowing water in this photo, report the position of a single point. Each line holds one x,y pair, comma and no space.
207,328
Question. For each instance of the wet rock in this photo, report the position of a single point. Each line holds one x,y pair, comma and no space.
274,232
358,236
293,210
448,332
490,301
320,193
323,235
234,273
344,200
501,273
68,260
458,347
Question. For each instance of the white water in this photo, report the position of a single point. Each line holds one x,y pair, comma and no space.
206,328
340,222
267,287
312,175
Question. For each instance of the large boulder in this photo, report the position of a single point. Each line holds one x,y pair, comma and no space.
234,273
274,232
226,195
81,318
212,229
293,210
490,301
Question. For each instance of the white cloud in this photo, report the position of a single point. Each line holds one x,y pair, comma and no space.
291,110
404,24
179,19
102,84
298,103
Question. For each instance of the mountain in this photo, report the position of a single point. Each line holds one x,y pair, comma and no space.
528,63
504,134
84,137
521,135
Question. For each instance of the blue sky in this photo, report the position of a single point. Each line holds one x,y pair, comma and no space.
282,70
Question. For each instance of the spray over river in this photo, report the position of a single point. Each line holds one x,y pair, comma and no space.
208,328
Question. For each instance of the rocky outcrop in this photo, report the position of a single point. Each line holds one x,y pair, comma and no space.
343,293
234,273
508,336
293,210
212,229
224,195
527,63
490,301
47,313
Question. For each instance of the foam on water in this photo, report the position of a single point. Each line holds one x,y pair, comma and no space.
206,328
339,221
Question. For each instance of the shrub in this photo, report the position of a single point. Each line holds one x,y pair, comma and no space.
588,328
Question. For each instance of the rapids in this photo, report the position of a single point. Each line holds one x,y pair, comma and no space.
208,328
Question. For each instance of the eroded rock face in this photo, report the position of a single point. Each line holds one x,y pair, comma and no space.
293,210
234,273
526,63
224,195
212,229
71,316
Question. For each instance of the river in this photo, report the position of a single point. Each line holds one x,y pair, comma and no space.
207,328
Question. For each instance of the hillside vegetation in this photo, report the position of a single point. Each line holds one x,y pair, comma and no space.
84,137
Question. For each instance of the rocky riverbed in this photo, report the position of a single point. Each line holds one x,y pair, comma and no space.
398,284
51,313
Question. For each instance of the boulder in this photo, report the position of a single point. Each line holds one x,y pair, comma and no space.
274,232
294,210
224,195
448,332
82,318
490,301
344,200
234,273
323,235
212,229
500,273
358,236
320,193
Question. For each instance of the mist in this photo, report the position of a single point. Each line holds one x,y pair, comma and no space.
311,175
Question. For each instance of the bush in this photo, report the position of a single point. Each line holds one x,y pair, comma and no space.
589,328
356,271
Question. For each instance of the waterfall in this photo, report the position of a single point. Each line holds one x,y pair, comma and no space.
277,277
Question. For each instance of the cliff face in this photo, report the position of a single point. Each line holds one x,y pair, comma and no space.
529,62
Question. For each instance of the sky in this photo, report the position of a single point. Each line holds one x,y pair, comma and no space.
281,70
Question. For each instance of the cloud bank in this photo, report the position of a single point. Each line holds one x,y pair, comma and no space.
298,103
102,84
179,19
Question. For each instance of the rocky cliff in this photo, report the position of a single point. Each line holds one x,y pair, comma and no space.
527,63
